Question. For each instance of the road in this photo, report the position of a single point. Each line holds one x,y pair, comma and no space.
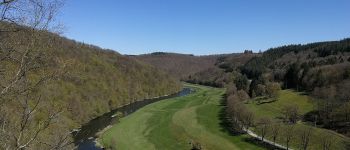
251,133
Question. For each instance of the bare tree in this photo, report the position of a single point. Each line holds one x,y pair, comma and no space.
25,116
289,134
263,126
272,90
275,131
290,113
326,141
247,119
305,136
243,96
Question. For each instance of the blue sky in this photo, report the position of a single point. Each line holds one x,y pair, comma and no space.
203,26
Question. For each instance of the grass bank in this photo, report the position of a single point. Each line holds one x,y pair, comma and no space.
173,123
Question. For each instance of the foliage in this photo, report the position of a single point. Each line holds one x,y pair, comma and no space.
88,81
178,65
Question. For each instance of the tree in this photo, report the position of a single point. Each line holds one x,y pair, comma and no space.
260,90
233,111
290,113
263,126
305,136
326,141
344,110
288,134
272,90
291,77
231,89
25,115
242,82
242,95
275,131
247,119
326,98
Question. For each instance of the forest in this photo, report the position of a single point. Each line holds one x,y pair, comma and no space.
179,66
51,85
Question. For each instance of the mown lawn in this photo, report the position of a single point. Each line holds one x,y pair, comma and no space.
273,109
173,123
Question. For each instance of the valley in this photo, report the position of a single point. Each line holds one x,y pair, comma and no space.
174,75
175,124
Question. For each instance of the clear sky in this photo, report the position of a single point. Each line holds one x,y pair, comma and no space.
204,26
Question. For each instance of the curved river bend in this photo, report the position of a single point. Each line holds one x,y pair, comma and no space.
85,137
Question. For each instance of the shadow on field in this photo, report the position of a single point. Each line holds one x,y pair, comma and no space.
226,127
225,124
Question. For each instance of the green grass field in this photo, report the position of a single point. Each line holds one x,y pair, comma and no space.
173,123
273,109
305,104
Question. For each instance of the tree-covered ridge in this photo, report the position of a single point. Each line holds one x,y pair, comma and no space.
258,65
226,70
179,65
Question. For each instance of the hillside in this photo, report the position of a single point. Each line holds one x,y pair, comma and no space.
212,70
87,81
224,72
179,65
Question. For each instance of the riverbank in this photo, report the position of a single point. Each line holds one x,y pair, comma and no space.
176,122
85,138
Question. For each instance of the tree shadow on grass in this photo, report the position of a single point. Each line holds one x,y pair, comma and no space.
257,142
226,125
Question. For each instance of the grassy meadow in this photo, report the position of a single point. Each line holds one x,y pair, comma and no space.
174,123
273,110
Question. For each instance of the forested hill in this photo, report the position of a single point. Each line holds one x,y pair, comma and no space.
321,69
85,81
316,54
213,70
304,67
179,65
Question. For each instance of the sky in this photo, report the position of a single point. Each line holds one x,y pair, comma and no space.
203,27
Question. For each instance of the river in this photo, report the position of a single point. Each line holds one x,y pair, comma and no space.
84,139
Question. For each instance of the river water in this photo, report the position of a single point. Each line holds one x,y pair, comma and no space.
85,137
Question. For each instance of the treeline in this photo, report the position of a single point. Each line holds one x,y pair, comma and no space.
50,85
179,65
225,71
255,67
